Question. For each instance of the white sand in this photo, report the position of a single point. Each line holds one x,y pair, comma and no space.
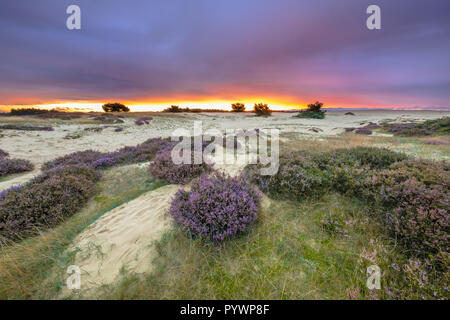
123,237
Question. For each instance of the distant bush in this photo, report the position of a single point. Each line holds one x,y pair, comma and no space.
25,128
363,131
238,107
126,155
142,121
314,111
217,208
115,107
45,201
164,168
262,109
173,109
27,111
429,127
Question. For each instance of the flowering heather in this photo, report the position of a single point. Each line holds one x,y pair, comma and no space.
11,166
45,201
3,153
126,155
25,128
142,121
363,131
217,208
164,168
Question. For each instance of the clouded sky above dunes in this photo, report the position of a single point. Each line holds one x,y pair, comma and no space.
287,52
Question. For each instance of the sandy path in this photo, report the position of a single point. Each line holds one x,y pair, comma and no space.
122,238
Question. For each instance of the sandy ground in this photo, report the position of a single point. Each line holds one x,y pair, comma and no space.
122,237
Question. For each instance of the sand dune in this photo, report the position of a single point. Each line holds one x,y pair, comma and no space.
123,238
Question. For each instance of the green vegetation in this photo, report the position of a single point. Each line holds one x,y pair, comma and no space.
314,111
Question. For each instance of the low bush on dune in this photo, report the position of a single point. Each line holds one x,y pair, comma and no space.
409,198
217,208
163,167
429,127
126,155
45,201
11,166
142,121
25,128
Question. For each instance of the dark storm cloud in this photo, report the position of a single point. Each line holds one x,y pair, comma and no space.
139,50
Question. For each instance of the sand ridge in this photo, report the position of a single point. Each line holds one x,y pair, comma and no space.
123,237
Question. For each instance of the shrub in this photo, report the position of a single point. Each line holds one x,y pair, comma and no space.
45,201
238,107
80,158
115,107
142,121
217,208
3,153
298,176
262,109
11,166
363,131
28,111
164,168
25,128
429,127
126,155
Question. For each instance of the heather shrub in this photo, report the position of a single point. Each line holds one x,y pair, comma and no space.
365,131
25,128
45,201
142,121
298,176
217,208
11,166
80,158
3,153
163,167
101,160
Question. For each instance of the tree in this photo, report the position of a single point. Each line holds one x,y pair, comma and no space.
315,107
262,109
238,107
173,109
115,107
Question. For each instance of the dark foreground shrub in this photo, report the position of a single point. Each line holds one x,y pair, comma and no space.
217,208
11,166
45,201
163,167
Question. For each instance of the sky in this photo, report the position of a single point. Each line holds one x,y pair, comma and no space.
209,53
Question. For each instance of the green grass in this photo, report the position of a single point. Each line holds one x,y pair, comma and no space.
287,255
27,268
